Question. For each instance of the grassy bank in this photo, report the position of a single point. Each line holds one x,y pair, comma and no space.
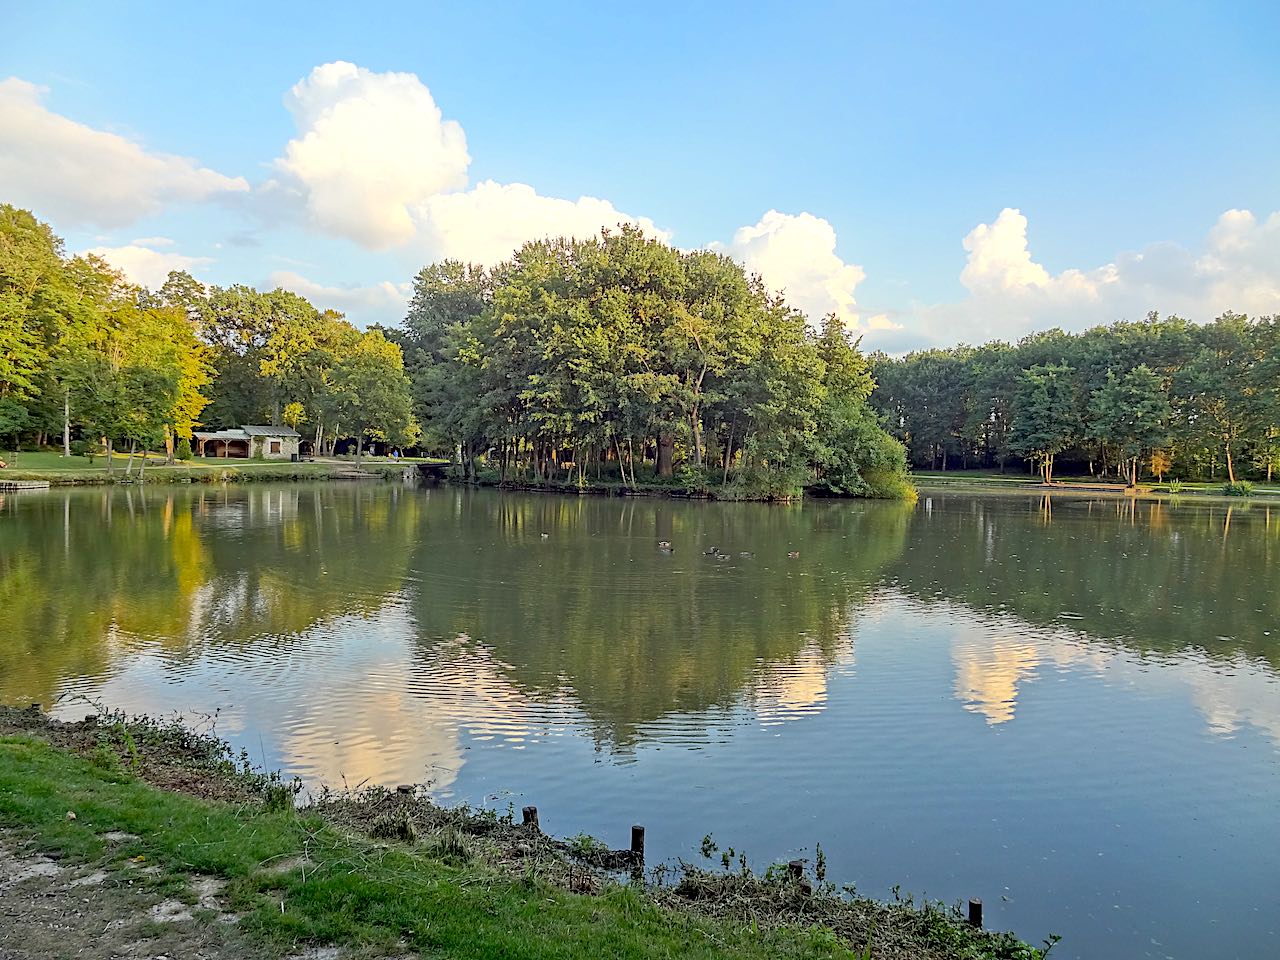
1007,481
383,873
80,471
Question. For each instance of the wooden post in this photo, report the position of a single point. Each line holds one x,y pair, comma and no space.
531,817
796,869
35,708
637,842
975,913
405,788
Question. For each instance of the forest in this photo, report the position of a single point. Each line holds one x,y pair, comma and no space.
1158,397
615,359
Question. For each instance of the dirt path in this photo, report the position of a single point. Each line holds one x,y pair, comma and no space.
53,911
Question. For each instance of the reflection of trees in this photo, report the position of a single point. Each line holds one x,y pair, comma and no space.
1155,576
632,634
87,574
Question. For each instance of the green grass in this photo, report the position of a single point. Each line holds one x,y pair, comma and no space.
1013,479
354,892
52,466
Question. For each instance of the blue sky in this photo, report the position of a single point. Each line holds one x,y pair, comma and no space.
967,170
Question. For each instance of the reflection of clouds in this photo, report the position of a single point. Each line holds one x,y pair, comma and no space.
995,659
988,671
390,739
462,681
795,687
1231,696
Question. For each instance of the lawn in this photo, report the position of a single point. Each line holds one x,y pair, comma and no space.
1012,478
347,890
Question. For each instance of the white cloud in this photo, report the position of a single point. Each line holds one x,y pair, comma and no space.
1011,295
378,303
370,146
485,224
375,161
796,256
74,174
145,266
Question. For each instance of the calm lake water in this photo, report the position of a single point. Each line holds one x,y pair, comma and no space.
1067,707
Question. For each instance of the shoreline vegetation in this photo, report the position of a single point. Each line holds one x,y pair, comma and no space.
379,871
217,470
570,362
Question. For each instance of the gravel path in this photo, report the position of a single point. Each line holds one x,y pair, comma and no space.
52,911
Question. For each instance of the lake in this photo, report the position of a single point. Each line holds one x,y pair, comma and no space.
1069,707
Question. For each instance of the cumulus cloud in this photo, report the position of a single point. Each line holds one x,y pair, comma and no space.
370,147
146,266
485,224
375,161
74,174
377,303
1010,294
796,256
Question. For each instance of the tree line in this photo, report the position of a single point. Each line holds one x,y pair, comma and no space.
615,359
86,354
1160,397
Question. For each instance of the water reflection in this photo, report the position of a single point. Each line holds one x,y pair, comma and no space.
89,578
595,612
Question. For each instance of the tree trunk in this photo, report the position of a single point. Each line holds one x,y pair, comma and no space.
622,463
695,424
1231,470
142,468
110,447
728,450
128,467
359,447
66,421
666,455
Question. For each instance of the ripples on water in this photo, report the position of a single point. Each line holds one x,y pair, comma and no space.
1067,707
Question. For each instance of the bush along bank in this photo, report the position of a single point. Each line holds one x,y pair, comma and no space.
384,871
697,485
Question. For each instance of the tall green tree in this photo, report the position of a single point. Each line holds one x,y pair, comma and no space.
373,395
1131,412
1046,420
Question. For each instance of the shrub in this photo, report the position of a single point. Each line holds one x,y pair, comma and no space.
693,479
1175,486
183,450
889,485
1240,488
86,448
